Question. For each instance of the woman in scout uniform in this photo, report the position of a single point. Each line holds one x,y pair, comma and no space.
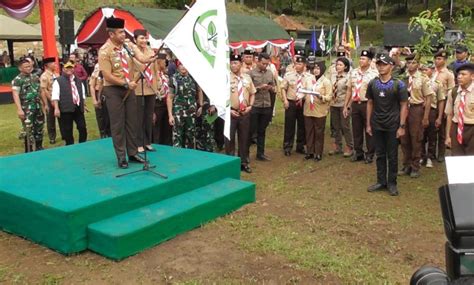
316,108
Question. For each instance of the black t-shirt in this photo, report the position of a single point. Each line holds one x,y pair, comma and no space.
386,98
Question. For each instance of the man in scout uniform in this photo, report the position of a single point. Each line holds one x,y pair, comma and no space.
162,131
242,96
184,105
117,68
29,104
96,84
293,103
462,57
291,66
435,117
247,60
420,94
46,84
356,100
446,78
460,112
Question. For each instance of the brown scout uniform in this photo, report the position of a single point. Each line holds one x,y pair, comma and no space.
121,103
46,82
341,125
96,83
431,132
241,124
412,140
446,78
359,112
467,147
315,118
162,131
294,113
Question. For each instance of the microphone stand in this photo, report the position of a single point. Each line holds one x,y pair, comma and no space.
146,164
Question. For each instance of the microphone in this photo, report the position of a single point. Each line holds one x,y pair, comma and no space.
129,51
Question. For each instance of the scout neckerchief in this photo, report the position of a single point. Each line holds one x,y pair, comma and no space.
358,86
165,88
462,103
75,94
124,62
410,83
299,85
240,91
316,88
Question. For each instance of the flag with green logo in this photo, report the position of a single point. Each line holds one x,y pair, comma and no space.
200,41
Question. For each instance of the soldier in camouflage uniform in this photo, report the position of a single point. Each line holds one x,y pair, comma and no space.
183,100
29,103
204,129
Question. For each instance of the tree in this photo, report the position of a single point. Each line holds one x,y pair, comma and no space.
379,4
432,26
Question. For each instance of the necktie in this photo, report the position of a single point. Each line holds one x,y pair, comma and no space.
75,94
299,85
124,63
311,98
240,91
148,75
462,103
164,85
358,87
410,83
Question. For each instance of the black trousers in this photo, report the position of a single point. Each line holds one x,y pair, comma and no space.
294,123
66,126
145,109
102,117
260,118
162,131
51,122
386,150
219,132
241,127
359,120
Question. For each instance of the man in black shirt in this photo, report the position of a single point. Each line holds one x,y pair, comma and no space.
386,115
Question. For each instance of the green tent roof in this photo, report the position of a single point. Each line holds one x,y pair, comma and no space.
159,23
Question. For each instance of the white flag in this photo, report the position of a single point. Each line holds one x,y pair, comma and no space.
200,41
322,40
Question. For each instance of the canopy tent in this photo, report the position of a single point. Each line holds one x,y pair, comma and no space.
56,20
16,30
244,30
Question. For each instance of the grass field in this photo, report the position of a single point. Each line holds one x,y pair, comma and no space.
313,223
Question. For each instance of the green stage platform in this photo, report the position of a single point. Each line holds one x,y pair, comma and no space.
69,199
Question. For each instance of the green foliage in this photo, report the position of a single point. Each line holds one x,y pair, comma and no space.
463,20
172,4
432,26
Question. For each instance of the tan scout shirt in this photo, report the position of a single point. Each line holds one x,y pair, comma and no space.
468,108
440,93
148,89
246,68
321,106
109,60
248,90
367,76
446,77
290,82
96,81
46,81
420,88
339,89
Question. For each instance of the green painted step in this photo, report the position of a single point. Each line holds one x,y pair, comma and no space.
132,232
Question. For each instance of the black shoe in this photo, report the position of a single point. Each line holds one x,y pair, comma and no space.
149,148
53,141
318,157
246,168
263,158
441,159
136,158
123,164
392,190
356,158
376,187
369,159
287,153
309,156
301,151
406,170
415,174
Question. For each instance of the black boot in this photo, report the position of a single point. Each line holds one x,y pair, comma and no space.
39,145
26,145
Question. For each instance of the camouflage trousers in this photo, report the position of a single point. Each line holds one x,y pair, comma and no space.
184,132
204,135
36,118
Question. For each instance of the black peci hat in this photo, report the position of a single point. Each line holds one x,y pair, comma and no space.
115,23
367,53
441,53
341,54
248,51
47,60
466,66
235,57
300,59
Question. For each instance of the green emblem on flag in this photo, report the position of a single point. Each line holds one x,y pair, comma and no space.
205,35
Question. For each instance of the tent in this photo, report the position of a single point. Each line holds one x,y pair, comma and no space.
16,30
288,24
56,20
244,30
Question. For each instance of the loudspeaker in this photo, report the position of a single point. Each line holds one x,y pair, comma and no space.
66,26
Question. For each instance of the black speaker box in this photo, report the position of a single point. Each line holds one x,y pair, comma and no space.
66,26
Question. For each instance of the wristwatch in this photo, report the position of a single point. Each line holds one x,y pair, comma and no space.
402,126
125,85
